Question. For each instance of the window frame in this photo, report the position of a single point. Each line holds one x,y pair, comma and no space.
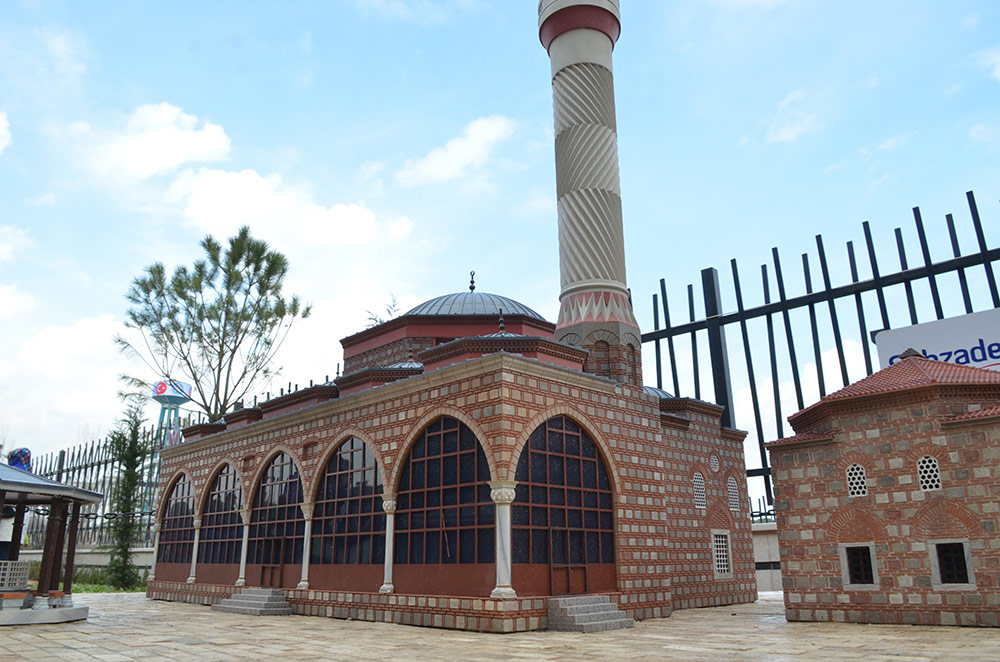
936,582
729,553
845,571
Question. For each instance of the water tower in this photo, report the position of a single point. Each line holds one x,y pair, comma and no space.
171,394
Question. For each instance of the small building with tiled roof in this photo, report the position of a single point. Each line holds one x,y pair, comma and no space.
888,499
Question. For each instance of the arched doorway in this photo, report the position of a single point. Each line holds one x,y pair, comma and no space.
562,516
444,542
277,527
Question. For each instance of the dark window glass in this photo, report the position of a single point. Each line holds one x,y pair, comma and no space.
563,490
220,539
353,469
951,563
177,526
859,565
276,523
445,513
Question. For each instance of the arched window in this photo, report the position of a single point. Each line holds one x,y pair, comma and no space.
177,527
699,490
348,522
563,500
929,473
444,513
734,493
221,525
276,524
857,482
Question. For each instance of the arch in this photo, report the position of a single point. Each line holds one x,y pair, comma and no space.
176,540
212,475
718,516
563,513
262,467
855,524
221,537
939,453
847,459
580,419
699,489
601,356
314,484
944,518
733,497
348,519
277,524
417,432
165,495
602,335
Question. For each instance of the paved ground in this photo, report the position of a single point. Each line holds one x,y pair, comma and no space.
129,627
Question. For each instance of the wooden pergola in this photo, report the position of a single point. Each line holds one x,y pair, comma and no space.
24,490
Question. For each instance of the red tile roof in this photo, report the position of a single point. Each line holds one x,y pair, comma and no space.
914,372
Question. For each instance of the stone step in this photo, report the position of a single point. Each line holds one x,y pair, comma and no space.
253,611
255,602
586,613
250,590
244,602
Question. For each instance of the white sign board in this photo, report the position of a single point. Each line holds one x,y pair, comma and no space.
967,340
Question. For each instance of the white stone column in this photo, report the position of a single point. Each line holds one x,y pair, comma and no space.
389,506
156,550
245,516
194,550
307,514
502,492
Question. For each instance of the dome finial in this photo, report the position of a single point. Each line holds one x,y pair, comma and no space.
503,327
472,281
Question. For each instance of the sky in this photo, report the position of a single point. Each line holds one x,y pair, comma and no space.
389,147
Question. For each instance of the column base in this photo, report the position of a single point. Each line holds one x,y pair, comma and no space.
302,586
503,592
386,588
240,582
191,579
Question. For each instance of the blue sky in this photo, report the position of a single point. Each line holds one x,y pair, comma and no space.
388,147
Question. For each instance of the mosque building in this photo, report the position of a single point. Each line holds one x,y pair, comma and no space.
475,460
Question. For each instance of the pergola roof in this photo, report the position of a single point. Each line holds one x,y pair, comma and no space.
39,490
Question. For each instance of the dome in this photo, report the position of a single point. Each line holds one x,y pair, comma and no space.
473,303
657,393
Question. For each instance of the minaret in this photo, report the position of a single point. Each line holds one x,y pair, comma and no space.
594,310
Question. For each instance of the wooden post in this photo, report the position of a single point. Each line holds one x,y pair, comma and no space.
57,558
18,533
48,551
74,526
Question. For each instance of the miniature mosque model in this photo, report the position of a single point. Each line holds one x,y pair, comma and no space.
475,459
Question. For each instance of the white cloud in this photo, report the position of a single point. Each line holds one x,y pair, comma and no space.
4,132
461,156
220,201
870,83
789,121
970,21
14,301
990,60
982,133
157,140
12,240
66,50
894,142
61,380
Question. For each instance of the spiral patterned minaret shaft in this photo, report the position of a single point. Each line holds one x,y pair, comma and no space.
594,310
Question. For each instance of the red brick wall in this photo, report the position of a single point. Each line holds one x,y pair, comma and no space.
887,436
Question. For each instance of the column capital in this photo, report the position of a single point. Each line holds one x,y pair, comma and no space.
502,491
307,509
245,516
157,525
389,503
197,523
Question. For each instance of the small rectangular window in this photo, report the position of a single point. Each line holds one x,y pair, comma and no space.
951,563
723,561
859,565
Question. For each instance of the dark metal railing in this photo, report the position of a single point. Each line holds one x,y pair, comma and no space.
715,322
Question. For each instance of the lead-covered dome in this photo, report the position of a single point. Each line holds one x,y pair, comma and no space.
473,303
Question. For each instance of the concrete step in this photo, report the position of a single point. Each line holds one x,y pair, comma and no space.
253,611
255,602
574,600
